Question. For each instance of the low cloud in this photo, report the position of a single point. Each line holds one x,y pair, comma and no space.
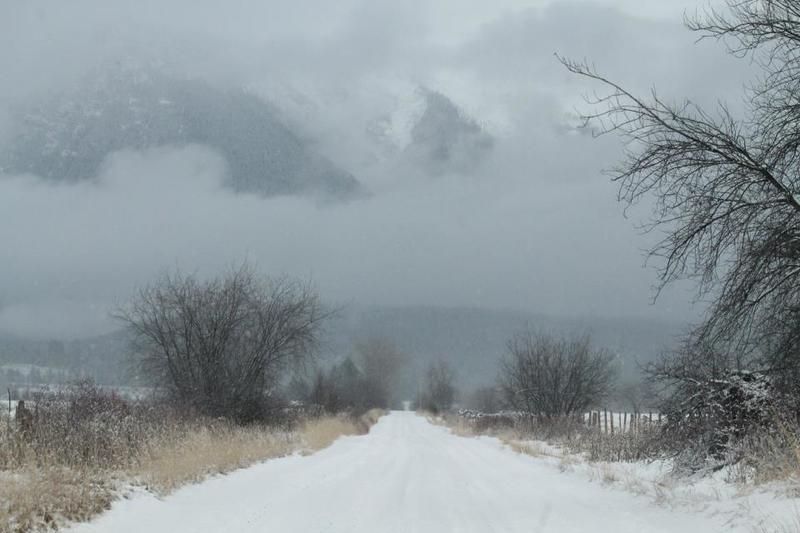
78,250
536,226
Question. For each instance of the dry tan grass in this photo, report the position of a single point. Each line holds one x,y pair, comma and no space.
532,448
369,419
606,473
34,498
320,433
205,451
770,457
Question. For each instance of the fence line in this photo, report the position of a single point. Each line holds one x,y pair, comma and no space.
602,420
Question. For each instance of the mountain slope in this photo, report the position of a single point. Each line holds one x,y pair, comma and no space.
67,138
386,126
445,139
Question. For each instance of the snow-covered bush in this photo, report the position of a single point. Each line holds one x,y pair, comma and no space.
709,419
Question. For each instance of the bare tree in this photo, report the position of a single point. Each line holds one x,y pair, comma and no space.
381,364
439,391
323,394
484,399
726,189
350,386
347,386
554,377
220,345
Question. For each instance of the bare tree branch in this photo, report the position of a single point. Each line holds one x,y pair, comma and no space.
726,191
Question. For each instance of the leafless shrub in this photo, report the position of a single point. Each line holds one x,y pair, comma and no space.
712,409
555,378
221,345
80,426
439,392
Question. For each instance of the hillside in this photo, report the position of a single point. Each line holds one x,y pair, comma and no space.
67,137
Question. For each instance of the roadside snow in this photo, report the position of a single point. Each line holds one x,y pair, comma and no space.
741,507
411,476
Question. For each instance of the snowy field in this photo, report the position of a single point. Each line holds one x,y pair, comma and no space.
408,475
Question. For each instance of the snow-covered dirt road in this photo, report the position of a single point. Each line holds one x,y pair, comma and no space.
406,475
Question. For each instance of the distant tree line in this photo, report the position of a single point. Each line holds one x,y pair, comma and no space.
240,346
357,385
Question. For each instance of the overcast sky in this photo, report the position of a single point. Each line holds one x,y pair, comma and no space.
536,227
